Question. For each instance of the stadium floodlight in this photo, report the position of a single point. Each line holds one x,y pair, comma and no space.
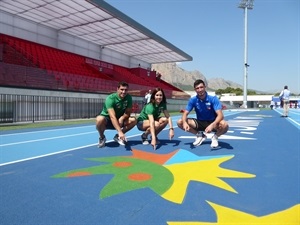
246,4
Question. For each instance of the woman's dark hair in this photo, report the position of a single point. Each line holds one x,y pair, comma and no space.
164,99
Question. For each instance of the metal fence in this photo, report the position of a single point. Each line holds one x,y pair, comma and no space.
25,108
16,108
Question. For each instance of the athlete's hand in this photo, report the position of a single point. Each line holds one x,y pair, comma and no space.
209,128
122,136
153,143
186,127
171,134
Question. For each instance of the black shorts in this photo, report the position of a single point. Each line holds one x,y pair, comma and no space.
109,124
201,124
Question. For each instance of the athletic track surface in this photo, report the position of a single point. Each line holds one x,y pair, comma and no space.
58,176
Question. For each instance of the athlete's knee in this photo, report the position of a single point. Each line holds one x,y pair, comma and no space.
99,119
224,126
179,123
157,124
133,120
100,122
163,121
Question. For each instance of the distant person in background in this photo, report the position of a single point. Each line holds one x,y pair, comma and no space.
158,76
116,115
285,98
150,120
209,116
147,97
272,104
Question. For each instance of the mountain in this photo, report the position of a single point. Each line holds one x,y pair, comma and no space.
184,80
220,83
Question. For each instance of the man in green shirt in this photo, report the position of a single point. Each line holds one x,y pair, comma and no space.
116,115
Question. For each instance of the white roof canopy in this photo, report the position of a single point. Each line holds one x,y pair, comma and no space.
98,22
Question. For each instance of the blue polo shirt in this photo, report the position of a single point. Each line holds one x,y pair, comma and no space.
205,109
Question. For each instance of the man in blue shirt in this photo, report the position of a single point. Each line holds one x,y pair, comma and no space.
209,114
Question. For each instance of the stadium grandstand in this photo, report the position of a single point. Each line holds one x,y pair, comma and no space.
60,59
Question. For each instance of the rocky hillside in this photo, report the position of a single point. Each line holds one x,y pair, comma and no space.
183,79
219,83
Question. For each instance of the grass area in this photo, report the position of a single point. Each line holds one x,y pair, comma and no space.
18,126
30,125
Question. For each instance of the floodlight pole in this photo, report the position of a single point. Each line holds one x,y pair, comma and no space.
246,4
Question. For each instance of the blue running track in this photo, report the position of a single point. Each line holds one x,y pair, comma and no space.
58,176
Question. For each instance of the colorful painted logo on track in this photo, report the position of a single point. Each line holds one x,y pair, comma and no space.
168,175
227,216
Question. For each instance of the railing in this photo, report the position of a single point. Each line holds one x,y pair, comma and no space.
15,108
25,108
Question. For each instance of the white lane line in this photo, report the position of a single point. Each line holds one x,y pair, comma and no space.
42,131
62,151
243,132
41,156
228,137
45,139
58,152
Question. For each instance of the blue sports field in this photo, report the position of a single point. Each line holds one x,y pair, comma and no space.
58,176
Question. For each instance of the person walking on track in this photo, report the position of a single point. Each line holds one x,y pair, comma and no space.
285,98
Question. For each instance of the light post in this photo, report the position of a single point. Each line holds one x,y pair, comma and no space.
246,4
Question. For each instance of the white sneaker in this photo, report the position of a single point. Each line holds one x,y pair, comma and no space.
144,139
145,142
117,139
214,141
101,142
199,139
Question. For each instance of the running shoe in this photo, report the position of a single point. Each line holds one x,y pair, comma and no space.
214,141
101,142
144,139
199,139
117,139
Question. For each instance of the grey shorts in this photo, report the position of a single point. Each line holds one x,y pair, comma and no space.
139,125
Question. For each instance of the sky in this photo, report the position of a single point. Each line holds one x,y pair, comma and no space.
213,33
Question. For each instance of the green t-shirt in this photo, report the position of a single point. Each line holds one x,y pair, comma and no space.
151,109
113,101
